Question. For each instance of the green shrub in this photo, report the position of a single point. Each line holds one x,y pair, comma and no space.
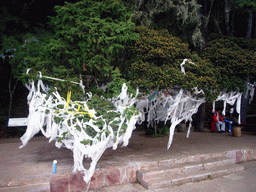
245,43
234,65
158,56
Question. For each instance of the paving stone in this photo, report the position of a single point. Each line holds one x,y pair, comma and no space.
112,176
98,179
168,162
59,184
240,156
248,154
131,173
147,165
76,182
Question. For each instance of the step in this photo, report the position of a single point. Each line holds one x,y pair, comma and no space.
183,168
25,181
42,187
182,178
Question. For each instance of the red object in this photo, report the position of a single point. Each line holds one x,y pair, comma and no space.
214,120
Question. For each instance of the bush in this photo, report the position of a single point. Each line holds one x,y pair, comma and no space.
245,43
234,64
158,56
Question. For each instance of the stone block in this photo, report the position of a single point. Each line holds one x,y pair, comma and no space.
248,153
4,183
230,154
193,168
112,176
217,155
199,177
180,181
185,160
254,153
158,184
240,156
212,165
131,173
59,184
174,171
98,179
147,165
168,162
14,182
203,157
236,169
77,183
219,173
123,175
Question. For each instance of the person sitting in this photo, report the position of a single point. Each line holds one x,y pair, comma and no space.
218,121
229,119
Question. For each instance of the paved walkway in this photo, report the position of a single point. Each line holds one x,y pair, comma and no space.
34,162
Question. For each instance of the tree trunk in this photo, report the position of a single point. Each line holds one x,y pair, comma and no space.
205,20
255,27
249,29
155,127
218,26
200,117
11,92
244,106
227,11
216,19
232,24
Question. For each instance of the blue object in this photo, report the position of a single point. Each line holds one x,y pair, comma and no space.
229,124
54,166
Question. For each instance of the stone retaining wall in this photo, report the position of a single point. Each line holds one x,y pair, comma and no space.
118,175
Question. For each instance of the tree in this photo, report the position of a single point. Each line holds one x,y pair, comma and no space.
228,18
181,17
89,35
249,6
16,53
88,38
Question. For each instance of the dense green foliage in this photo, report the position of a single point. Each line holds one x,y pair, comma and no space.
90,35
158,59
89,39
249,44
235,65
